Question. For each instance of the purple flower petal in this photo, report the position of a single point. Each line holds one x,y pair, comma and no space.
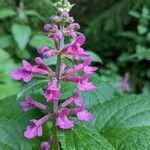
27,66
45,146
17,74
84,116
64,123
86,86
27,77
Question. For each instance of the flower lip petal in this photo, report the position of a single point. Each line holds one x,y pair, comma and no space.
17,74
84,116
27,66
80,40
64,123
27,77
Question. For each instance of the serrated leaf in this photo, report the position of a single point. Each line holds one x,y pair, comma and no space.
67,89
39,41
21,34
32,87
11,136
67,61
124,121
4,13
12,125
142,29
83,138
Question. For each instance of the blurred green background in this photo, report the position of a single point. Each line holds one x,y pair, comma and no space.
117,32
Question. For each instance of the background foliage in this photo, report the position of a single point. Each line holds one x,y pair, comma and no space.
118,38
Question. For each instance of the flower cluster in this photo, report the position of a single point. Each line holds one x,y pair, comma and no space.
62,27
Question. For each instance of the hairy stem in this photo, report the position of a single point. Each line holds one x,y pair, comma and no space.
55,139
61,46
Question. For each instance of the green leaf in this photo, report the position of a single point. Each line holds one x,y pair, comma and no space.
134,14
67,61
142,29
21,34
12,125
39,41
5,41
95,57
4,13
128,34
67,89
11,136
124,121
50,61
7,85
145,12
32,87
83,138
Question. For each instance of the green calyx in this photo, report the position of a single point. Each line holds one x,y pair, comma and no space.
63,5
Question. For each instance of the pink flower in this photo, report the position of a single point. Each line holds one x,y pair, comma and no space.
41,50
48,27
55,18
74,99
28,103
82,82
64,123
35,128
65,14
73,26
86,86
74,50
83,67
25,73
56,36
40,67
45,146
52,92
53,31
84,116
70,30
63,17
47,52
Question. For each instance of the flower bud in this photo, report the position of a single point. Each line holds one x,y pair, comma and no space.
43,49
74,26
48,27
65,14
